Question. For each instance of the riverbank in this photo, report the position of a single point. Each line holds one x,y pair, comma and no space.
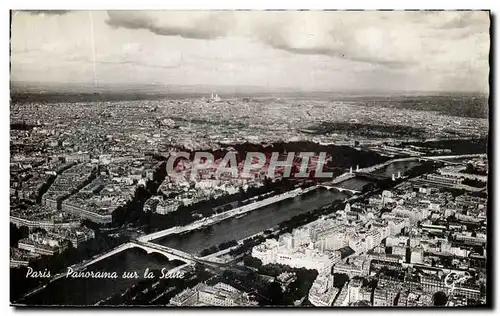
269,221
209,221
226,215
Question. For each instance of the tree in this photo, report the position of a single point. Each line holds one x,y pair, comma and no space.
474,183
450,237
469,168
252,262
17,233
368,187
440,299
340,279
275,294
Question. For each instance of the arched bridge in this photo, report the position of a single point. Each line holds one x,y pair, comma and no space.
440,160
170,253
341,189
373,176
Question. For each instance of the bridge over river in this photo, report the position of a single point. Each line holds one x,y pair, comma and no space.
329,187
149,247
334,184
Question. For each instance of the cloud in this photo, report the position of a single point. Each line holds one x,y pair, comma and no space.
47,12
189,24
136,63
336,49
393,39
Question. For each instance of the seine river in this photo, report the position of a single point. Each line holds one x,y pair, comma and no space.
90,291
251,223
393,168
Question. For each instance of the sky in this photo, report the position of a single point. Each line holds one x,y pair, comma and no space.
307,50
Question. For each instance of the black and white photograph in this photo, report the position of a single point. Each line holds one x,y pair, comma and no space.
250,158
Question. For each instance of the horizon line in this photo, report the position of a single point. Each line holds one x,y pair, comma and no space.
262,89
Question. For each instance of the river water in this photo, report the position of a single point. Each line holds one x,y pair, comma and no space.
90,291
393,168
251,223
